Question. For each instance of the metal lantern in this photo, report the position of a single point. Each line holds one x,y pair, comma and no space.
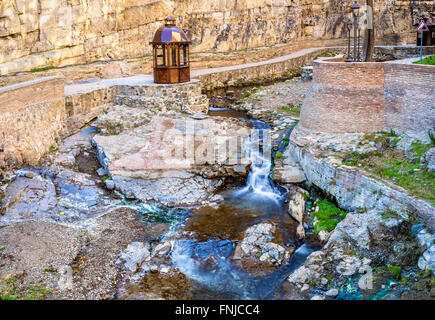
171,63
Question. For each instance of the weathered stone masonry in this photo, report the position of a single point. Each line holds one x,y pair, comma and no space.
34,113
31,117
371,97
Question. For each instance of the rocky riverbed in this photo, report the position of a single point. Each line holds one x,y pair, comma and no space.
106,217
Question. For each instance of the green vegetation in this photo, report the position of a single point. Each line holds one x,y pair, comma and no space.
325,54
248,94
395,271
41,69
106,177
278,155
13,290
291,109
388,214
404,170
328,216
429,61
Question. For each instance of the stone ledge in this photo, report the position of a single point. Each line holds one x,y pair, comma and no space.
20,95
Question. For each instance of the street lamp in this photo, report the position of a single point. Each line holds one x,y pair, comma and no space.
348,28
355,10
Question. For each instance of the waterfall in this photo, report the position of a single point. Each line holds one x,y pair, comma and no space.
258,150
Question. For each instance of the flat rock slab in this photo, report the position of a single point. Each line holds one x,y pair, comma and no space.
174,160
68,197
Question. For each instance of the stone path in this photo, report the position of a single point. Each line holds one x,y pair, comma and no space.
95,84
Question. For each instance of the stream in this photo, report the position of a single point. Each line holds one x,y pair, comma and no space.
205,239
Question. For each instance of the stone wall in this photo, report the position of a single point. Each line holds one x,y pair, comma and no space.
31,117
181,97
260,72
35,33
370,97
353,188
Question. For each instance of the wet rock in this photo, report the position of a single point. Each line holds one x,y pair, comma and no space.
110,185
427,260
101,172
27,199
296,207
79,196
134,255
162,249
258,246
331,293
429,159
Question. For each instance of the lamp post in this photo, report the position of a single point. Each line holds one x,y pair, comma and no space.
355,9
349,28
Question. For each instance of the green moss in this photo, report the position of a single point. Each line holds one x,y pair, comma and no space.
41,69
404,279
106,177
278,155
395,271
328,216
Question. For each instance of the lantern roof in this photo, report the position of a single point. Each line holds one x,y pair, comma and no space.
169,33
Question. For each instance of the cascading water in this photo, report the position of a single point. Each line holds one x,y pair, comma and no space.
258,148
209,262
206,258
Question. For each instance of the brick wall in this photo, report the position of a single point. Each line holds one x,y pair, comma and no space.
410,99
345,97
370,97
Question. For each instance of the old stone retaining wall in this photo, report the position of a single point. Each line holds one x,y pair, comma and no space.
31,117
370,97
353,188
181,97
252,73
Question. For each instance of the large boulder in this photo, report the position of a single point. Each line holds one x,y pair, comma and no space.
174,160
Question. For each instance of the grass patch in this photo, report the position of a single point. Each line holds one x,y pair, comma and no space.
404,170
291,109
13,290
248,94
328,216
429,61
41,69
325,55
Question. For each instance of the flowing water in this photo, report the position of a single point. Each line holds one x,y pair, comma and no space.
204,239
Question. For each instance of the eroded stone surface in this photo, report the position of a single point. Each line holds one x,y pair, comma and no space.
174,160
